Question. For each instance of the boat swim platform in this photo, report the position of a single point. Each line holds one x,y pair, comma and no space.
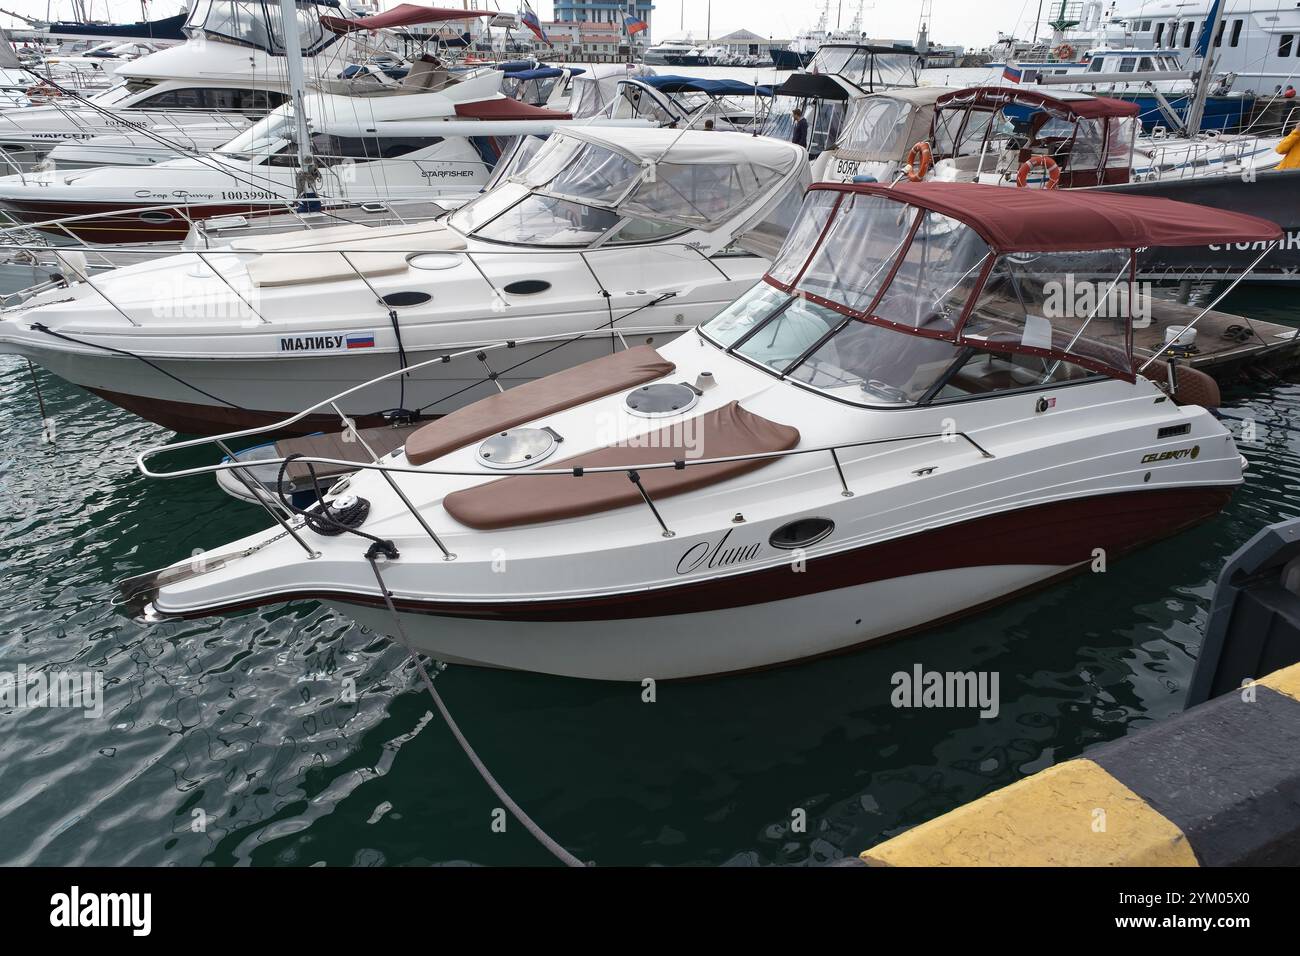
1263,345
1217,785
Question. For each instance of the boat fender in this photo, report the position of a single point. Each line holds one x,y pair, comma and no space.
865,179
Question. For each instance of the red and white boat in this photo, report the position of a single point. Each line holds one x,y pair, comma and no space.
897,425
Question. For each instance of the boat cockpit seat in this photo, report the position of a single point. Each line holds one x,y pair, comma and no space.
537,399
427,74
724,432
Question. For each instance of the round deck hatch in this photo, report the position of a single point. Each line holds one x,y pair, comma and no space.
433,261
661,399
517,447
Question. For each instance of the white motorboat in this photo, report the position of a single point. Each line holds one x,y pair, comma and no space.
1255,45
594,90
894,427
837,75
878,132
687,102
230,71
437,144
1040,136
645,231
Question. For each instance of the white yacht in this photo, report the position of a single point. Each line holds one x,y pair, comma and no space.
884,433
645,231
229,73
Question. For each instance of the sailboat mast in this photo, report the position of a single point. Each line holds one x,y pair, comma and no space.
1196,109
297,90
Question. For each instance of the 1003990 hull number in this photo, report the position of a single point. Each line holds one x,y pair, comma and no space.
247,194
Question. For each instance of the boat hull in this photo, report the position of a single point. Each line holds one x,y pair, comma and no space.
213,396
835,604
1273,195
789,59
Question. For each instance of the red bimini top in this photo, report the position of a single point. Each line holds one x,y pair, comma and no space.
1082,105
1071,220
403,15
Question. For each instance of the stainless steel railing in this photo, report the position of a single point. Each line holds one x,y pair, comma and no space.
389,470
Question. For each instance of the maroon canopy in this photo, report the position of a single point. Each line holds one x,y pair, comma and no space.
506,108
1055,220
403,15
1083,105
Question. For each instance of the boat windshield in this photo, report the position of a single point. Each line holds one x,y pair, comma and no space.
877,302
881,128
256,23
573,192
264,138
865,68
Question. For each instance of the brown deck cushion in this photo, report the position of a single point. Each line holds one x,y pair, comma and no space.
1194,386
721,433
543,396
380,440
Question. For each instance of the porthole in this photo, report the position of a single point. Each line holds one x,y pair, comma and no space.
404,300
156,216
527,287
801,533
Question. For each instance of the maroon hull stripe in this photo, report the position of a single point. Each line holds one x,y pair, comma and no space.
122,222
1061,534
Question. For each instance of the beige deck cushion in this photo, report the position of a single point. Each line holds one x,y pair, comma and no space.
721,433
392,245
535,399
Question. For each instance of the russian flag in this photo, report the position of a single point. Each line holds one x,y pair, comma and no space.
1011,73
366,341
634,25
529,19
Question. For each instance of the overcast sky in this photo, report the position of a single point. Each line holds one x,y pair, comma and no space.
971,23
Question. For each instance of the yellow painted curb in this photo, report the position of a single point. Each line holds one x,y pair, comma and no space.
1072,814
1286,681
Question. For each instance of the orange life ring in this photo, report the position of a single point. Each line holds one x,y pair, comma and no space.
919,153
1053,171
1065,52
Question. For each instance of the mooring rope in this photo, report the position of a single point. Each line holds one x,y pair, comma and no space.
559,852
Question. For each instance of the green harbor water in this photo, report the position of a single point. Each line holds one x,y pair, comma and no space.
230,741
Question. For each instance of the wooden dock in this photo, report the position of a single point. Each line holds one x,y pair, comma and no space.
1266,345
